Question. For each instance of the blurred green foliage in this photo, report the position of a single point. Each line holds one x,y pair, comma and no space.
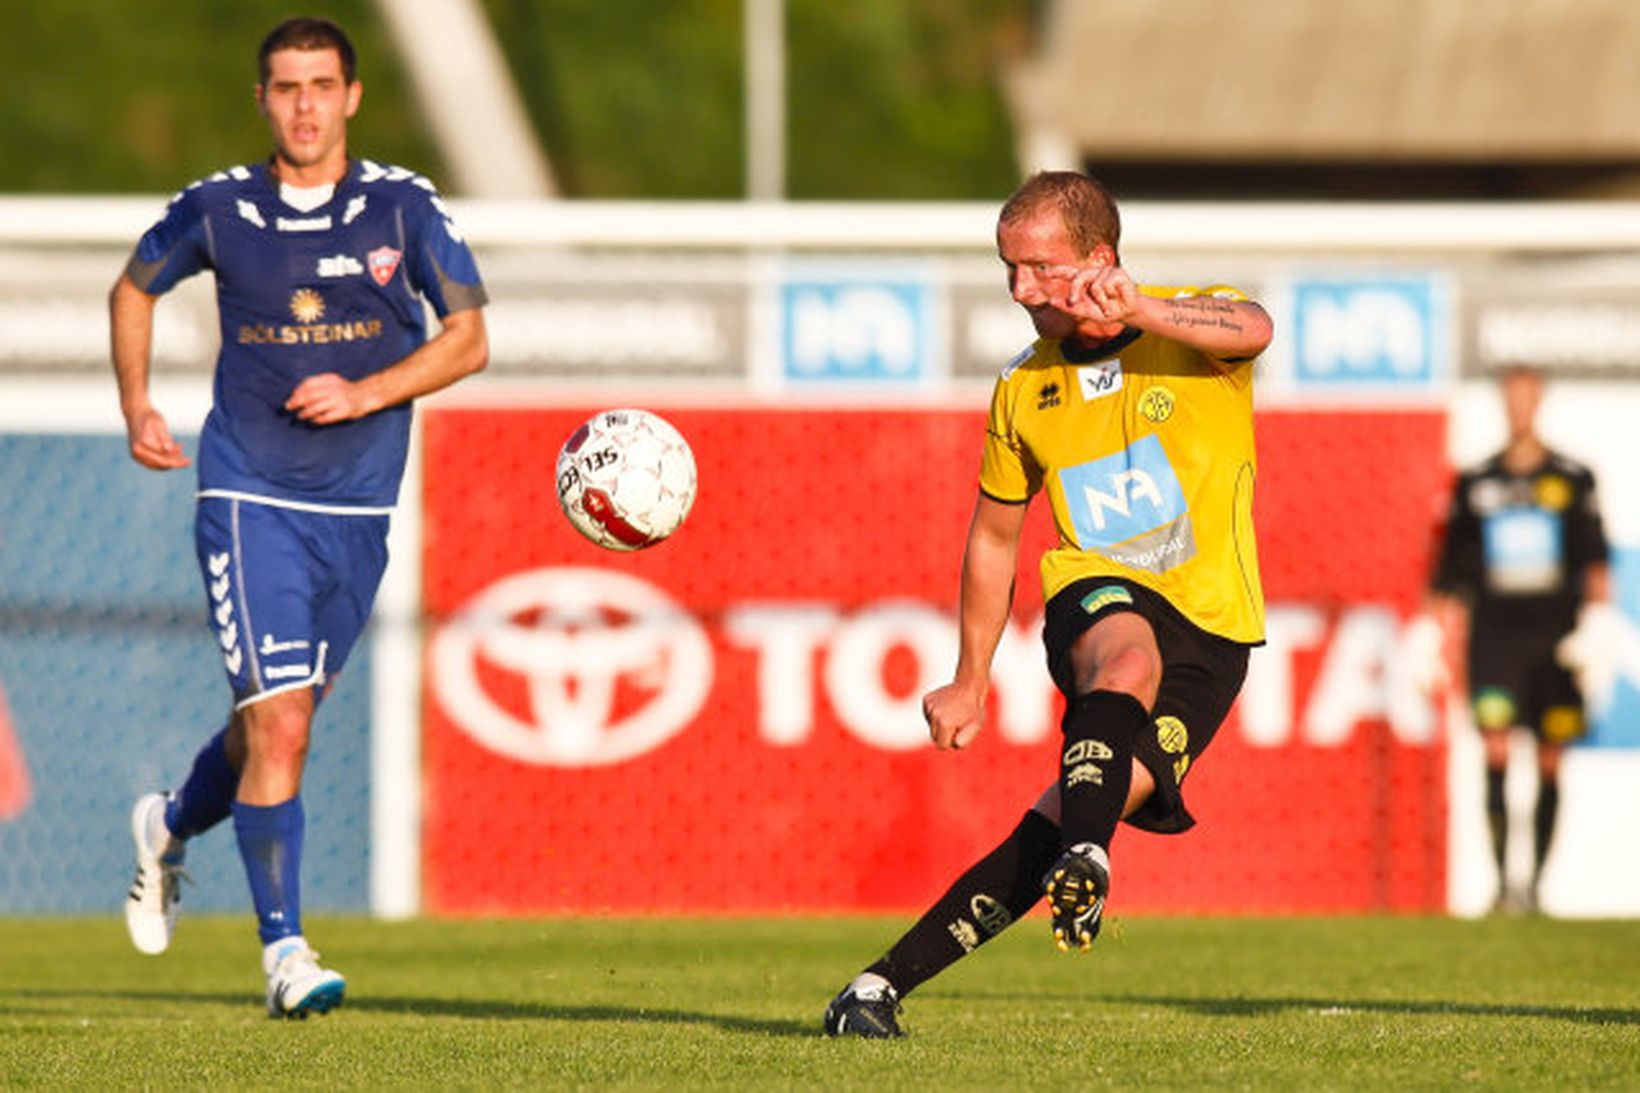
632,98
902,99
645,98
144,96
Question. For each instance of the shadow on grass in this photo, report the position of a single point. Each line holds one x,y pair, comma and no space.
1259,1007
16,1002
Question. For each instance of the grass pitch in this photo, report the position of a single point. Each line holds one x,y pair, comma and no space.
1160,1003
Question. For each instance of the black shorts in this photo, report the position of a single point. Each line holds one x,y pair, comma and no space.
1515,680
1201,675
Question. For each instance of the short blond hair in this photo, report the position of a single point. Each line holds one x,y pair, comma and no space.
1085,206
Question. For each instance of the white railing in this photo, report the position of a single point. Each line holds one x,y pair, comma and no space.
1301,227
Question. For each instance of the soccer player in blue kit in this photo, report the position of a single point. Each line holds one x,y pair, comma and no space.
322,264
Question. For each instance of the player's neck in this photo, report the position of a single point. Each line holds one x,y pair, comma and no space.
327,172
1524,453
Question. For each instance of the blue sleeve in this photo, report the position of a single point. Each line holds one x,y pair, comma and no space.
175,248
441,266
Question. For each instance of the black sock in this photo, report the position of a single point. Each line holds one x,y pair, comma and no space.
1497,818
1096,767
1543,823
995,891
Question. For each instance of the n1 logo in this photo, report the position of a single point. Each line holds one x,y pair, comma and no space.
1377,331
1130,507
857,330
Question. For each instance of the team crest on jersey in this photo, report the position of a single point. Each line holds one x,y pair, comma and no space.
383,263
1552,492
1156,404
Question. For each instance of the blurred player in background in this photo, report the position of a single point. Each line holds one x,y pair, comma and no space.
1523,570
322,264
1133,410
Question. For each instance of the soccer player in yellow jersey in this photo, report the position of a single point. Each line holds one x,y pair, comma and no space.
1133,411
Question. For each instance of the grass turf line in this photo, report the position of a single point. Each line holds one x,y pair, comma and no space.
1159,1003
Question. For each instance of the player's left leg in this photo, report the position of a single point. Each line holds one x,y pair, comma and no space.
1558,718
310,579
990,896
352,555
980,904
1544,814
270,824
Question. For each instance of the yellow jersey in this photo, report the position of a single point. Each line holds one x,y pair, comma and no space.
1145,448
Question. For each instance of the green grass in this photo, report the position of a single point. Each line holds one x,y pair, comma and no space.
1161,1003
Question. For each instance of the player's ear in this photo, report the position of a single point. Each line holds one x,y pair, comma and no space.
1102,254
355,92
259,93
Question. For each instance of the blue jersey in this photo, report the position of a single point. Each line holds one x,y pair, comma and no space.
335,289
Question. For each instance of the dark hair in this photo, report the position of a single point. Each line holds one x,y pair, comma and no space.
1511,369
307,32
1086,207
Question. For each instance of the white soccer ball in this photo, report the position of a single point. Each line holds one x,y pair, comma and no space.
626,479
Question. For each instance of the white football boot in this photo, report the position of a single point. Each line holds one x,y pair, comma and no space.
151,904
297,986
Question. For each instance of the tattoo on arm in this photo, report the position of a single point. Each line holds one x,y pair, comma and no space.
1199,311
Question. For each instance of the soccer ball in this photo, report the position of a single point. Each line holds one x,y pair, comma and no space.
626,479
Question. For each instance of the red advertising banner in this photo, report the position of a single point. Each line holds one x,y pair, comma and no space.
730,721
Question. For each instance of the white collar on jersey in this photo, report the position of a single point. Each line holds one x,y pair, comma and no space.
306,198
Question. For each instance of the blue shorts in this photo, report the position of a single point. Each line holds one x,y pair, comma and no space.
289,590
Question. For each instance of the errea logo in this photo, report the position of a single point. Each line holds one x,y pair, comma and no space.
340,265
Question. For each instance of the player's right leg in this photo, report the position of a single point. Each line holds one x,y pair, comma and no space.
161,825
1095,777
1495,746
151,902
1103,656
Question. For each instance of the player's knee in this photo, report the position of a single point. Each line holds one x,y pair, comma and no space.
1133,670
279,734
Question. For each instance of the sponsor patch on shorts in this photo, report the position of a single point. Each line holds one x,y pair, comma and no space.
1103,596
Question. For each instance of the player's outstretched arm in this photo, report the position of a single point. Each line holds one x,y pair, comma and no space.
956,711
461,348
131,337
1224,329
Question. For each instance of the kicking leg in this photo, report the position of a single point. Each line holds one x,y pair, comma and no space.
1117,672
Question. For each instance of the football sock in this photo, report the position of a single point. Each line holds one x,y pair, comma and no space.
1096,767
1543,821
995,891
1497,819
206,797
270,842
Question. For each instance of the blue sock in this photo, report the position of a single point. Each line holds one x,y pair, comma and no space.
270,842
205,798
